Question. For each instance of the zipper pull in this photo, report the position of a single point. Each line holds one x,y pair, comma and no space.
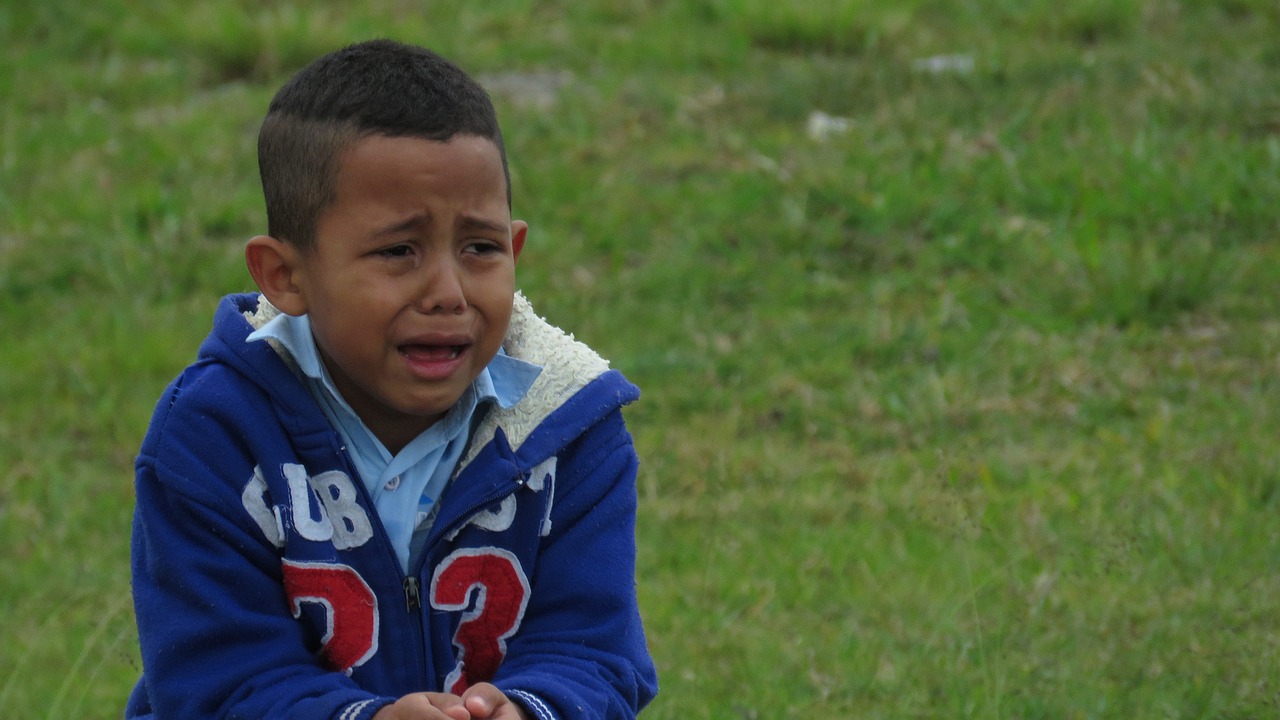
412,597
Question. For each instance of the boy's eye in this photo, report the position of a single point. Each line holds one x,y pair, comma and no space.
396,251
484,247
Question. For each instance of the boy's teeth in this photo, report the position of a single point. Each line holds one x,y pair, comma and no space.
439,352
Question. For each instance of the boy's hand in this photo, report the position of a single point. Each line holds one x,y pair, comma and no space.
486,702
425,706
481,701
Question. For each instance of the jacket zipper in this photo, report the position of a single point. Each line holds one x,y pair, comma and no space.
412,594
441,529
412,588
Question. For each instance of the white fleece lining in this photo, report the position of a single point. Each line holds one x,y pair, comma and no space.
262,314
567,367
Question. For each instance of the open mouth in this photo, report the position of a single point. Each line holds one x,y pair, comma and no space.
432,353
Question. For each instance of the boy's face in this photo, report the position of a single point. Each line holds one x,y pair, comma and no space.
409,284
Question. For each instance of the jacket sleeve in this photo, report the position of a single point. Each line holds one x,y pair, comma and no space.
217,636
581,652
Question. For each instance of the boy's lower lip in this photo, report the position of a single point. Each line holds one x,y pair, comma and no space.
434,363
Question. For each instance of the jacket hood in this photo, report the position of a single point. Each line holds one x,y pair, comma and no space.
576,384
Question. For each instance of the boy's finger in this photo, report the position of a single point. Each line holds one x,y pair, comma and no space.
481,699
449,704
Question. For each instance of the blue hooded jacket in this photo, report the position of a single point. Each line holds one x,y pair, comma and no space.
265,587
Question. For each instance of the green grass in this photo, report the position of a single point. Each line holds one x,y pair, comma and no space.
968,409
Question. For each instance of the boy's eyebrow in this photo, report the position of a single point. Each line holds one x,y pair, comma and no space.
407,223
475,222
467,222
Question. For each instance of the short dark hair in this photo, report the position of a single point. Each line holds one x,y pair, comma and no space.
378,87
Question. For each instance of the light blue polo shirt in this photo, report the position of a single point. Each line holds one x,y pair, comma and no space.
405,487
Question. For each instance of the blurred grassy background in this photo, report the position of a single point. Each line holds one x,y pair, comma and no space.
956,323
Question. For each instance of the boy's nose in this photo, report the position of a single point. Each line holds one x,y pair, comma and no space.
442,291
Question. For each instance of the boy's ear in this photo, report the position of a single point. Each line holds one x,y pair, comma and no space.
276,268
519,229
